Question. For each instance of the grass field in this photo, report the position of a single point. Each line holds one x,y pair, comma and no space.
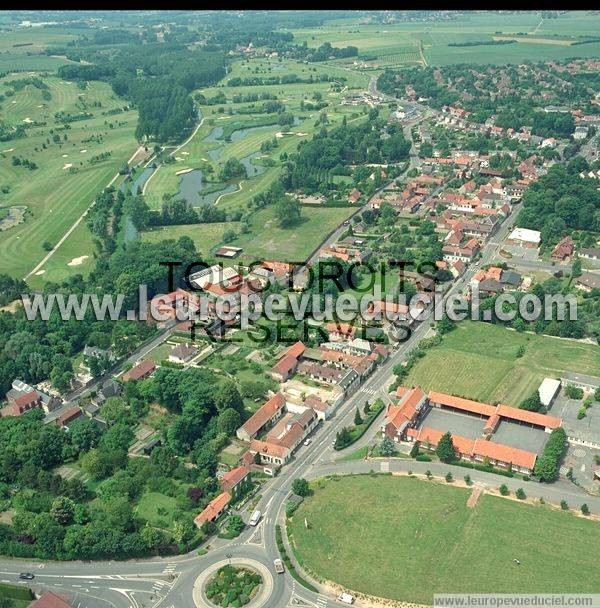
405,539
395,44
478,360
55,194
267,241
205,236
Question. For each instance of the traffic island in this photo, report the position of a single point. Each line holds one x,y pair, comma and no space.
234,583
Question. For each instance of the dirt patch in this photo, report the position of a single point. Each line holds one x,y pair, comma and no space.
474,497
78,261
15,216
536,40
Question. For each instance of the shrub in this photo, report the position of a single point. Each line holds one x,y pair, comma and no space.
468,480
449,477
423,458
564,505
585,509
573,392
520,494
504,490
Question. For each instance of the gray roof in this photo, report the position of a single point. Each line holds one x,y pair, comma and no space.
512,278
348,378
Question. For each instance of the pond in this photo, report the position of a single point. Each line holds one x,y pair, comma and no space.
192,182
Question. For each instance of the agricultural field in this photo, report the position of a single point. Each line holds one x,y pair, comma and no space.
425,531
68,173
396,44
479,361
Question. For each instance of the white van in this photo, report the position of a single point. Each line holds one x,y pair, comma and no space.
346,598
254,518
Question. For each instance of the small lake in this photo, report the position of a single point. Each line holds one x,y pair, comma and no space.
192,183
138,182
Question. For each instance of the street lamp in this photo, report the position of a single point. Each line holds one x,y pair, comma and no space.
228,556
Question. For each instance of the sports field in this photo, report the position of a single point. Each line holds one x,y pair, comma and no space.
404,539
65,181
479,361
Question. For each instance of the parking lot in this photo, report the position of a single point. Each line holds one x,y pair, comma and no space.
523,253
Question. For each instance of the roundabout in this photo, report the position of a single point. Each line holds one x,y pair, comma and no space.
262,596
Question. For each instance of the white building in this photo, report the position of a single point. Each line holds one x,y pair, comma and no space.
524,237
580,133
548,390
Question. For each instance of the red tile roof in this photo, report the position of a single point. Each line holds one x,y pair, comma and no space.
140,370
296,350
285,365
214,508
232,478
462,404
26,399
50,600
504,453
551,422
264,414
268,447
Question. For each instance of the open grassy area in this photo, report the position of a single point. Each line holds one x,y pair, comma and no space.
205,236
406,539
267,241
394,44
479,361
65,182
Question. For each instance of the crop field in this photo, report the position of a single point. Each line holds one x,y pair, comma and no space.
66,179
479,361
388,42
419,536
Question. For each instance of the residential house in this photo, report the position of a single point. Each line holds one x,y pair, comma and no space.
48,599
591,253
214,509
236,482
110,388
563,250
588,281
264,417
141,371
182,353
354,196
69,416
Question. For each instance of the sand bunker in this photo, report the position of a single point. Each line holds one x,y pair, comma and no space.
67,165
65,155
8,150
302,134
39,272
78,261
279,134
183,171
82,151
178,158
28,120
185,154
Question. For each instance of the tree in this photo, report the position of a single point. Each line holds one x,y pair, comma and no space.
85,434
414,450
387,447
357,418
585,509
504,490
520,493
468,480
63,510
183,531
300,487
564,505
576,268
449,477
343,439
228,421
445,448
288,211
227,396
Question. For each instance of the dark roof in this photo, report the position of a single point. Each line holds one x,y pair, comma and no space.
512,278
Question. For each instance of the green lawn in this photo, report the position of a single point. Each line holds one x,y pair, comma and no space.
266,240
405,539
478,361
157,509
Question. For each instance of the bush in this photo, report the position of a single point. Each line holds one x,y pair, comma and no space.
520,494
468,480
504,490
423,458
449,477
585,509
300,487
564,505
573,392
548,464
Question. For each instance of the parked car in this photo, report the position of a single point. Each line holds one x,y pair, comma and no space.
254,518
278,566
307,441
26,576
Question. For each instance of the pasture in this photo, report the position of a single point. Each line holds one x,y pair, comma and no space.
67,177
397,44
479,361
405,539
